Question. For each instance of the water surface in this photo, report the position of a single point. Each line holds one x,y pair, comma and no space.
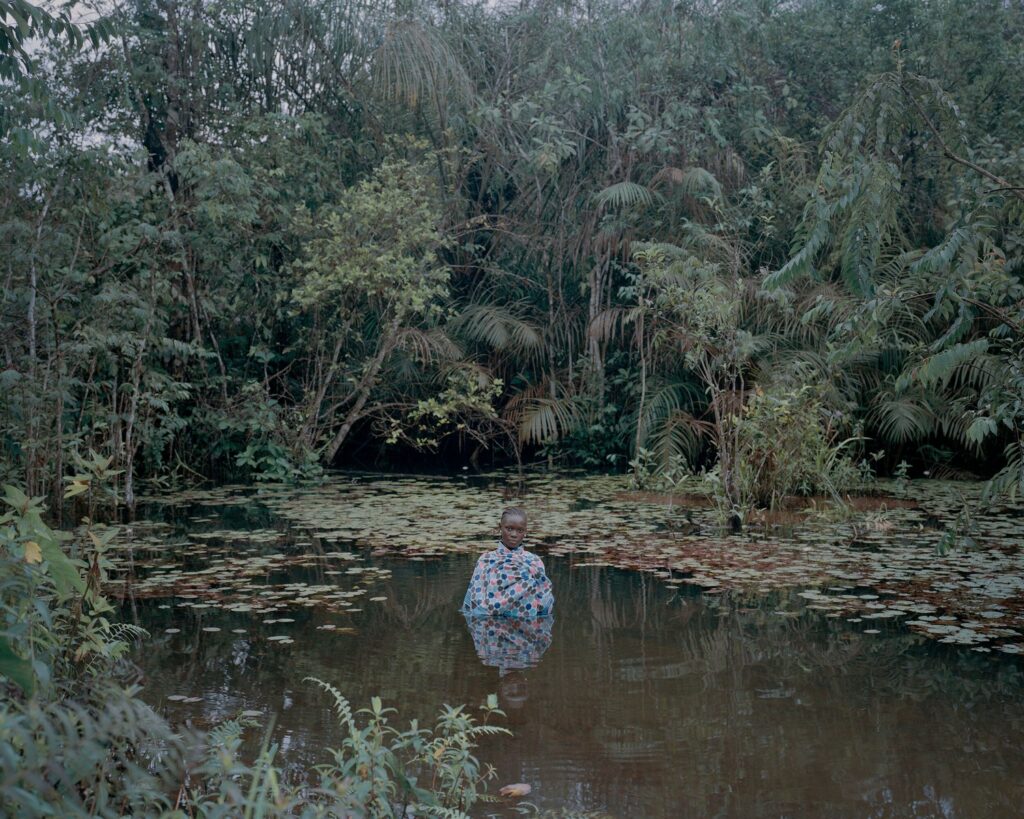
651,700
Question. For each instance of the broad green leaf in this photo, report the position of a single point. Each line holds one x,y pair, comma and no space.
64,572
16,669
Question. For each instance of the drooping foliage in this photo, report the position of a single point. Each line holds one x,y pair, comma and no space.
252,238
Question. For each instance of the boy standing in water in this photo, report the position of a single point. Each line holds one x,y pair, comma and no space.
509,581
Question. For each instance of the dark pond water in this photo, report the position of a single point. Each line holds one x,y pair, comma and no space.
650,700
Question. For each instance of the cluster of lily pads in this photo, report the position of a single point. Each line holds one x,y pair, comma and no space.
869,567
232,571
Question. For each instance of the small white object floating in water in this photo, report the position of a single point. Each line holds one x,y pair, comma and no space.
516,791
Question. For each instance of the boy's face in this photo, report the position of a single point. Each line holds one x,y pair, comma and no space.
513,530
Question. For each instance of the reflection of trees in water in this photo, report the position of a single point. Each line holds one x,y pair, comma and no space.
733,693
425,593
723,633
649,696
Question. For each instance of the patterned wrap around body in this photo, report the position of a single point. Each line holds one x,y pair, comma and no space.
509,583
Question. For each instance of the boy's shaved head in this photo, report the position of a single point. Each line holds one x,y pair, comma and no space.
513,512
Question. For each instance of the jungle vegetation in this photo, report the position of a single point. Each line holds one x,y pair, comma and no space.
247,239
775,244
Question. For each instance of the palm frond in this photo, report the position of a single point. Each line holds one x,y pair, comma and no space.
939,369
428,346
693,181
608,323
540,420
710,246
699,182
499,327
901,419
413,64
625,195
680,435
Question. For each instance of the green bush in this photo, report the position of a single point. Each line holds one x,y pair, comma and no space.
789,443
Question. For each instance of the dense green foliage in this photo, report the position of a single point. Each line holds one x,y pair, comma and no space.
263,237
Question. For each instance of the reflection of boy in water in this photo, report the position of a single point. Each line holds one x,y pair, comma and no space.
509,644
512,690
509,581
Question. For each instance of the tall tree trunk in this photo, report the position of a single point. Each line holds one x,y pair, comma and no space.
130,444
642,343
310,428
595,350
366,385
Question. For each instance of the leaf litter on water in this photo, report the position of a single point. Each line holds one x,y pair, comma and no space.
863,567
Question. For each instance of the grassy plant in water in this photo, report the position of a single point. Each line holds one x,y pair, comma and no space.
789,444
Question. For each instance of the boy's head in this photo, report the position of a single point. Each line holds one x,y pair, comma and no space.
512,527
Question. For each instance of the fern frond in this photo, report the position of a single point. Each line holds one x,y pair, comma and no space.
125,632
487,730
223,735
342,708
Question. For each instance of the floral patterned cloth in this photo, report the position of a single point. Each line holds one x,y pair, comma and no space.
509,583
507,643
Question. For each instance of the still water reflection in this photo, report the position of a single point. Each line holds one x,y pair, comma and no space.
639,701
510,644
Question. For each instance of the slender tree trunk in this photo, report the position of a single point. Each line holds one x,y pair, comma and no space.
220,363
193,301
129,429
595,306
366,385
641,330
33,286
130,445
309,428
31,317
552,365
33,479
